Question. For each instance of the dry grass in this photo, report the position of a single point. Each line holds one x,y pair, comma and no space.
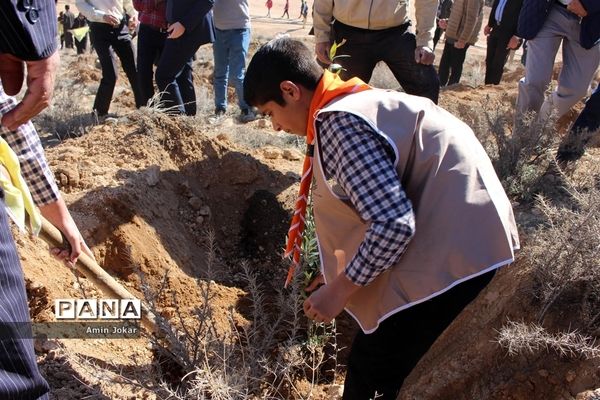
278,354
520,338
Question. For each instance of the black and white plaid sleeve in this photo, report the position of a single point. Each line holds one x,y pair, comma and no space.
362,163
26,144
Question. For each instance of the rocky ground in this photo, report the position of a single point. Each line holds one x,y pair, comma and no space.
159,199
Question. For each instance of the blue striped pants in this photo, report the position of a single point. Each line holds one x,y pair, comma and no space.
20,378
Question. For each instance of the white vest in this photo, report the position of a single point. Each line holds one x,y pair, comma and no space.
464,221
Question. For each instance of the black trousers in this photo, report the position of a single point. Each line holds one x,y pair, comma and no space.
151,42
381,361
451,64
109,41
582,131
438,33
395,47
495,59
173,74
81,46
19,374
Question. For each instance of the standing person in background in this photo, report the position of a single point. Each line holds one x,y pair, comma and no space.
443,14
370,30
501,33
269,5
546,25
61,29
81,36
190,26
28,39
304,12
152,36
110,29
68,20
286,9
463,28
232,38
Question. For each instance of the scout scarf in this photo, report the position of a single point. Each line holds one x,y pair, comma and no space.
17,199
330,87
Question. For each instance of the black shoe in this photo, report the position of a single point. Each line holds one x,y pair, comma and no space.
247,115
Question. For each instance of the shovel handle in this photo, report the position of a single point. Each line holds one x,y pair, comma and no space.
95,273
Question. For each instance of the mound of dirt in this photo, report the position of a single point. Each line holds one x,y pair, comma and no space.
158,199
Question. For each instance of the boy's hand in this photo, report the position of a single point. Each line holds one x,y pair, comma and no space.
424,55
111,20
460,44
513,43
133,23
175,30
328,301
577,8
315,283
322,52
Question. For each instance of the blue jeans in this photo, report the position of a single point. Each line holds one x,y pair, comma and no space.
230,49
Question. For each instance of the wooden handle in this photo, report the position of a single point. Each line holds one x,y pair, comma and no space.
96,274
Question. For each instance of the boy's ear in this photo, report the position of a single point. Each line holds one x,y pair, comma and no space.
290,90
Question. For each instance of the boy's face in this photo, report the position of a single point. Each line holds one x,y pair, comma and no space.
292,116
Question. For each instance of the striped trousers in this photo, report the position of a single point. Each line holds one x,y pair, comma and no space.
20,378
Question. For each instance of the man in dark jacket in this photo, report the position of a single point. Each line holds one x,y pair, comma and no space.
67,21
443,14
546,24
500,30
190,26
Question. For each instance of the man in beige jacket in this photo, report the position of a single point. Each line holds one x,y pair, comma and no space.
378,30
462,30
405,191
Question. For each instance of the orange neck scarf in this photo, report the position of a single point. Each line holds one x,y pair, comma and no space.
330,87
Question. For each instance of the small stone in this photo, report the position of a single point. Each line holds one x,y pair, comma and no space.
52,354
195,203
153,175
50,345
271,153
543,373
335,391
204,211
292,155
200,220
262,123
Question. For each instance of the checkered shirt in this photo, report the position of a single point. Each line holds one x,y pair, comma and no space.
26,144
362,163
152,12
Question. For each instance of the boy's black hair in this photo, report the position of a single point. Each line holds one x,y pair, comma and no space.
281,59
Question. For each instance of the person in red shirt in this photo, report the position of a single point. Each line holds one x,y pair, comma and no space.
151,40
269,5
